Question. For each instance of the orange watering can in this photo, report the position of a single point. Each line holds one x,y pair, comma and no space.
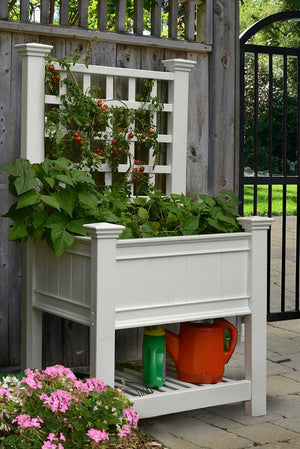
198,351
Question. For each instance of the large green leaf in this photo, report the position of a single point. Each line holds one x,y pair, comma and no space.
17,231
27,199
9,168
62,240
207,200
66,200
75,226
25,178
66,179
56,220
38,218
143,214
88,200
51,200
191,223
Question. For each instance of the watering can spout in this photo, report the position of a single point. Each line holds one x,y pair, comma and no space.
172,345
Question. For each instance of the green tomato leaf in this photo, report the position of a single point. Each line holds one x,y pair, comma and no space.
27,199
140,201
17,231
51,200
171,218
26,177
50,181
9,168
62,240
108,216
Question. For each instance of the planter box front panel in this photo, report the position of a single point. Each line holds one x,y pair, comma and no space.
188,277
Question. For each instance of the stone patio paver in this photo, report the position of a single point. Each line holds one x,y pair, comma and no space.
264,433
278,385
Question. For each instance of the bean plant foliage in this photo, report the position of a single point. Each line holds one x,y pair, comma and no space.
55,198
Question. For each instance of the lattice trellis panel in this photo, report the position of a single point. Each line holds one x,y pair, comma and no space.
176,107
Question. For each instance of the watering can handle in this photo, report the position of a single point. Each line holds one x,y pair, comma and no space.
233,338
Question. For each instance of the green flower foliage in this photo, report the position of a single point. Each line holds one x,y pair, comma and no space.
55,199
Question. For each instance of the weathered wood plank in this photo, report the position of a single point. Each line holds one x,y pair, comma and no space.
24,10
4,9
138,25
123,39
121,16
198,126
205,22
14,306
156,18
45,10
64,12
223,79
4,270
173,19
189,20
102,14
83,6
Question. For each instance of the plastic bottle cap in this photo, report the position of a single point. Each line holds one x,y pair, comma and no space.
155,330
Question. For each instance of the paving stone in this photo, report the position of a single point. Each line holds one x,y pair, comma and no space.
236,412
295,361
290,423
279,385
284,345
290,325
264,433
278,368
200,434
162,435
274,330
213,419
288,405
291,445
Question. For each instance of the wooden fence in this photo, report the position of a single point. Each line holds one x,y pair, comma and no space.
212,121
192,19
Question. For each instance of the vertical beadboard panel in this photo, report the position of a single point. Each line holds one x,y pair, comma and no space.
65,267
77,284
42,267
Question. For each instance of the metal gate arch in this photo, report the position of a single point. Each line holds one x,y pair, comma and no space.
269,178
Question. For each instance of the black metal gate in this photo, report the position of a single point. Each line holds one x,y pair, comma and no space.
269,163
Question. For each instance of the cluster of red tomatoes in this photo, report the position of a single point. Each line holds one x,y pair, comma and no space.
54,77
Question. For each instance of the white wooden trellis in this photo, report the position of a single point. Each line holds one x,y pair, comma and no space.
188,277
34,100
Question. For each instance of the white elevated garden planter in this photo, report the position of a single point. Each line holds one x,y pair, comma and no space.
110,284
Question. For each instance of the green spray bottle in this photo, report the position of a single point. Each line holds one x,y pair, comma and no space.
154,356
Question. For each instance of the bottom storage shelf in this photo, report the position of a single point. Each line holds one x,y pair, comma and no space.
176,396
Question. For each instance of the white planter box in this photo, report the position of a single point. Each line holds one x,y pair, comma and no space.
110,284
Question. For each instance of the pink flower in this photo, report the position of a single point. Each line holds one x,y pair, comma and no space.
80,387
131,416
4,392
59,400
98,435
50,443
32,379
59,371
126,430
26,421
96,385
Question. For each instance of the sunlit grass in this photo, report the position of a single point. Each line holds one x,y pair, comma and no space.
263,196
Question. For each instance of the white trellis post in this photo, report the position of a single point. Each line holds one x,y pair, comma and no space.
33,100
255,324
177,123
103,279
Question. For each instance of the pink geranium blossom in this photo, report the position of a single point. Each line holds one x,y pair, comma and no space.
98,435
59,371
131,416
96,385
59,400
4,392
27,422
125,431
